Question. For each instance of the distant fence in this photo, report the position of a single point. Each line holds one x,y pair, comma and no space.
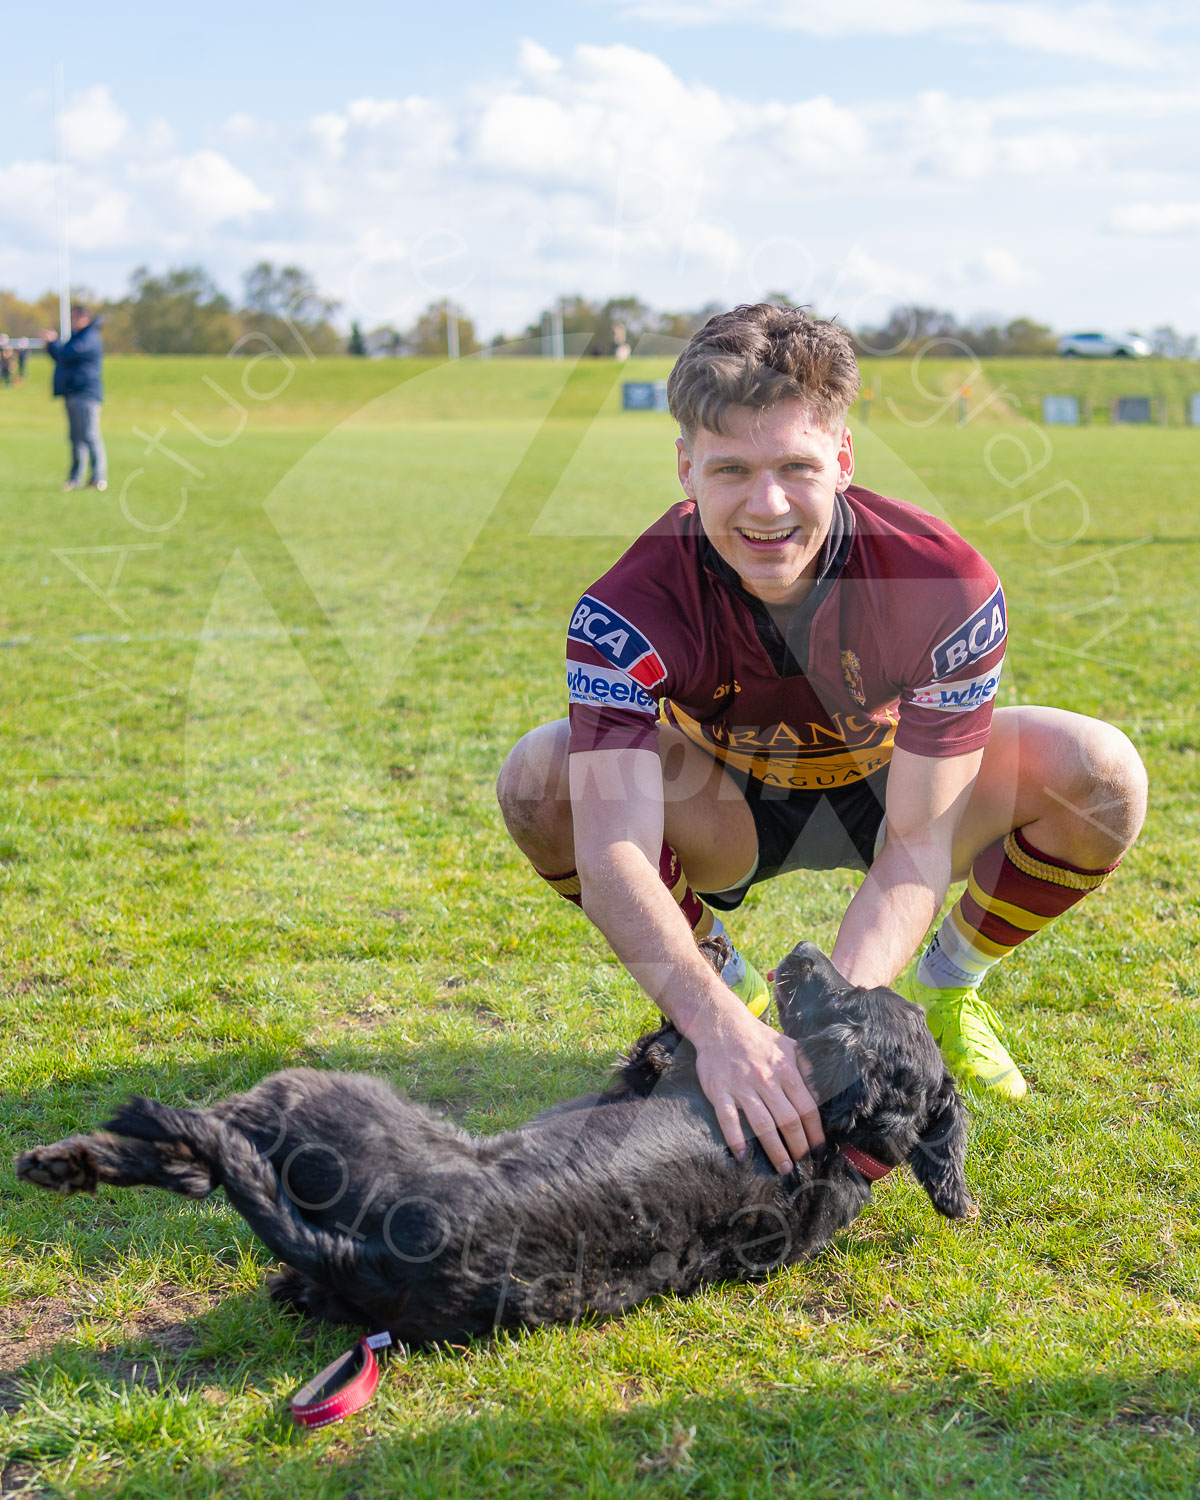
1060,411
1132,409
644,395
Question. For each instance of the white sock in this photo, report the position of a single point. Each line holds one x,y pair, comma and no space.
946,966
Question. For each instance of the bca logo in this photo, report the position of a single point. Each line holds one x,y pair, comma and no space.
973,639
617,641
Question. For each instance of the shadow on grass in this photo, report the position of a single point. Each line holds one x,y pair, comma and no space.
451,1076
839,1432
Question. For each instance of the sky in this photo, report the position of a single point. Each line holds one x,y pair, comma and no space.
990,157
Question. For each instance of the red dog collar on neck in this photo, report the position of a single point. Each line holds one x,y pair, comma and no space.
871,1169
336,1392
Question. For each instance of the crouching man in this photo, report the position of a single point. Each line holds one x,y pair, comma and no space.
787,671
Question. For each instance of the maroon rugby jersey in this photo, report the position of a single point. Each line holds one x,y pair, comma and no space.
899,642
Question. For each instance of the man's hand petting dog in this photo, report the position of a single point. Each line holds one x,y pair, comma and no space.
747,1068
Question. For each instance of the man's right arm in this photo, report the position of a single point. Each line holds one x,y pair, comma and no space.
742,1065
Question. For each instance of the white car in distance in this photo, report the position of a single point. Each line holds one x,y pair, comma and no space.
1103,346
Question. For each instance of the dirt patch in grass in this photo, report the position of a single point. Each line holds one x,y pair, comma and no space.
20,1479
32,1328
31,983
168,1319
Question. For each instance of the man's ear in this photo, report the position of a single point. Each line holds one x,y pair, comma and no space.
845,460
684,463
939,1157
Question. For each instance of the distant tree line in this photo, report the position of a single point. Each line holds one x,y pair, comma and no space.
183,311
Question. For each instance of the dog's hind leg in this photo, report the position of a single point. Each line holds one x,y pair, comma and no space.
293,1289
81,1162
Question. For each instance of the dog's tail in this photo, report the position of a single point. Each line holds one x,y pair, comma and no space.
251,1184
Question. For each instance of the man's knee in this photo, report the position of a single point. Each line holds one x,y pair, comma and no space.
532,788
1104,782
1119,777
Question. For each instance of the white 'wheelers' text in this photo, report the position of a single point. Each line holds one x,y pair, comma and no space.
604,685
958,697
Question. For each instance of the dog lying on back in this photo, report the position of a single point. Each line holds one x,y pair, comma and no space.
389,1217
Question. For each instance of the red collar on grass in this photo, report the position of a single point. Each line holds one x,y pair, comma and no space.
343,1387
871,1169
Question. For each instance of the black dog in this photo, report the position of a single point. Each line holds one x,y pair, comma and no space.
389,1217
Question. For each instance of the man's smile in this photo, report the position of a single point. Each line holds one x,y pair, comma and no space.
766,538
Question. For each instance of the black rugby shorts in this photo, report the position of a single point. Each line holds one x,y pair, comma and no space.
828,830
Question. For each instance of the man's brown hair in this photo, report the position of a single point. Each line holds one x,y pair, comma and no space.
759,354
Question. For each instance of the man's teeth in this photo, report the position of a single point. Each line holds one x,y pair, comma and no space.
767,536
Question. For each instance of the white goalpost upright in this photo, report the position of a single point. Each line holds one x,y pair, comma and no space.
64,247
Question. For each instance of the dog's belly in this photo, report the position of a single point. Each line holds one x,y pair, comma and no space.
591,1212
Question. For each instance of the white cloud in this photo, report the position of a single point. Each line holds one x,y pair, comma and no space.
241,129
203,189
966,139
998,266
29,193
329,133
98,215
91,127
1094,32
1156,218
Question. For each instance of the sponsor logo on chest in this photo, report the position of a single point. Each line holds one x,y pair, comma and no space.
597,625
973,639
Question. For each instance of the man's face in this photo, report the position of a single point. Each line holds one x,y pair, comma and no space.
765,491
79,320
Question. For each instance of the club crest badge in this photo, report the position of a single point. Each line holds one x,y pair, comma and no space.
852,674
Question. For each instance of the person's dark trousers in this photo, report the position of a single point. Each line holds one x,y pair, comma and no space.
83,434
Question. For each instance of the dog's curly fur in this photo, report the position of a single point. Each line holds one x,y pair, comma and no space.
390,1217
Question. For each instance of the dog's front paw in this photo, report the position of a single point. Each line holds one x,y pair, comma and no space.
65,1168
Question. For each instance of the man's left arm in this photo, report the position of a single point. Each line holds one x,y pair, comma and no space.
905,887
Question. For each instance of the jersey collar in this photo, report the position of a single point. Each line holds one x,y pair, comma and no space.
790,656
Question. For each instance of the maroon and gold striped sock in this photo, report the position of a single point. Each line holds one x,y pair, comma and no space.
1012,892
700,918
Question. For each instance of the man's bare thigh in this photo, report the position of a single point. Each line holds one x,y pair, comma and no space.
706,820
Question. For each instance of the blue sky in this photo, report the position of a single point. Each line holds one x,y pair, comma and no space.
998,156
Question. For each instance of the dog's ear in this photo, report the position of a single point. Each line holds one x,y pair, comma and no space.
646,1063
806,976
844,1076
718,950
939,1157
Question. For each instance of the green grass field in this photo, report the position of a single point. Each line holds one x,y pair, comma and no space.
250,733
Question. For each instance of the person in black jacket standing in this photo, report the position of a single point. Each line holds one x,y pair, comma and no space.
77,381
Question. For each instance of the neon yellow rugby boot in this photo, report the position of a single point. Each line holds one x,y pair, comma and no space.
964,1027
